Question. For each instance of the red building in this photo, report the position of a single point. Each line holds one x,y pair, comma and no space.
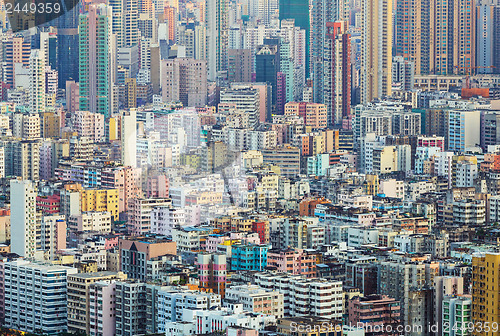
48,204
262,228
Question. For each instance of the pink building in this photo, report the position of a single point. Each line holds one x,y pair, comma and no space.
212,273
157,186
72,96
101,303
213,241
110,241
374,311
431,141
241,331
193,215
126,180
292,261
48,204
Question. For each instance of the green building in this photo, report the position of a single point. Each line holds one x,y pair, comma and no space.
95,51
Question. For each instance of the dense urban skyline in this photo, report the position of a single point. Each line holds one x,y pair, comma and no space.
250,168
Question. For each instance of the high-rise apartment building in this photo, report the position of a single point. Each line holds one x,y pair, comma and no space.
79,293
129,138
37,81
17,50
102,302
217,37
376,76
322,11
438,36
22,159
239,65
456,315
67,46
23,214
124,21
337,72
243,97
35,296
463,129
485,291
185,80
403,73
267,66
96,59
212,273
487,35
298,10
411,284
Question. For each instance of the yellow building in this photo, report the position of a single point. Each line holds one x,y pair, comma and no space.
97,199
100,200
486,292
114,131
51,125
371,184
191,160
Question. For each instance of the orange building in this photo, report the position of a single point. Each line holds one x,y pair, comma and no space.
307,206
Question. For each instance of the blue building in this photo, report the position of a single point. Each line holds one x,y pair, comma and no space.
249,257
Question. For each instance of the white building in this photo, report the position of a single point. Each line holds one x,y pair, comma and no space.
35,296
463,129
164,219
256,299
494,202
302,296
23,217
140,213
356,237
37,81
129,138
99,221
465,173
455,310
171,303
208,321
392,188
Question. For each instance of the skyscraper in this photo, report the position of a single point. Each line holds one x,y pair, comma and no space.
485,304
17,50
23,214
377,35
267,65
337,72
322,11
299,11
216,20
487,28
96,52
413,33
125,17
37,81
437,35
67,46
